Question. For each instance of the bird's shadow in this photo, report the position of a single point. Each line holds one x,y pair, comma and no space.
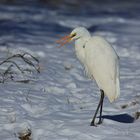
122,118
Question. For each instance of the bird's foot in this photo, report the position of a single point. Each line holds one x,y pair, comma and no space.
100,121
96,124
93,124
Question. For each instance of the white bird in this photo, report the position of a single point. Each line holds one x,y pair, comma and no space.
100,61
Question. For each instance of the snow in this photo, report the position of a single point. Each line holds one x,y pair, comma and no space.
60,101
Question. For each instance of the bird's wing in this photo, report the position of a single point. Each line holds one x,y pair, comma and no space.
102,63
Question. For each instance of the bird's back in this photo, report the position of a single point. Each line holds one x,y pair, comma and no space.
102,63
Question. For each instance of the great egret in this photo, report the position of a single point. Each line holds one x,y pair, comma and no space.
100,61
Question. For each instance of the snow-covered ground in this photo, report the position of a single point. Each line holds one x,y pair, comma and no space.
60,102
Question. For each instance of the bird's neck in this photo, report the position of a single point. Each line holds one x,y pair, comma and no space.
81,41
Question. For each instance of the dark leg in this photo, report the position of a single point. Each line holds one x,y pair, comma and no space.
101,107
93,120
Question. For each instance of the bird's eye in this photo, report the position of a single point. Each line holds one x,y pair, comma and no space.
73,35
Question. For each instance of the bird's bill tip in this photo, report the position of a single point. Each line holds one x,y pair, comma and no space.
64,40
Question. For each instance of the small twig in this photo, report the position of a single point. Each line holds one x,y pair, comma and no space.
13,56
13,63
31,64
23,81
4,78
8,70
22,56
31,56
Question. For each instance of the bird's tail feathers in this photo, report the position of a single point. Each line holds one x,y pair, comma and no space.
117,88
112,97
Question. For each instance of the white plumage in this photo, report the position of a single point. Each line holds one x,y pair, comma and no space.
100,61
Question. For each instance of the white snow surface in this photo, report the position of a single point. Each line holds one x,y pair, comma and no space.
60,102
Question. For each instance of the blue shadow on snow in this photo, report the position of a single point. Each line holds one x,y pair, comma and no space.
122,118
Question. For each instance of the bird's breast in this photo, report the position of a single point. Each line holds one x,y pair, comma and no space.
81,55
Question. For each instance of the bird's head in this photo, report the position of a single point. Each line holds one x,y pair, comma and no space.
76,34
